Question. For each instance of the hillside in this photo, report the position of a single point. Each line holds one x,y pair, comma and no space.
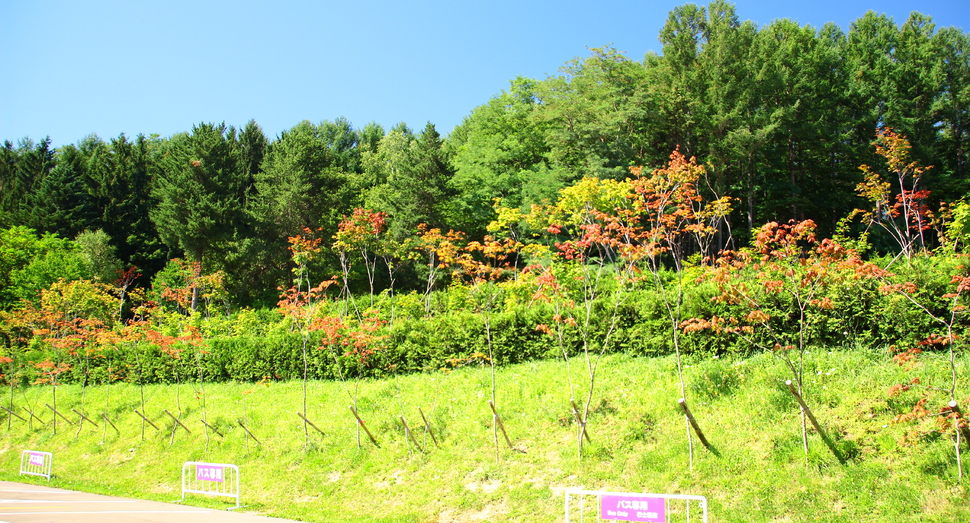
894,471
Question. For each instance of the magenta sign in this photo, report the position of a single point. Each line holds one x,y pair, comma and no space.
209,473
36,459
633,508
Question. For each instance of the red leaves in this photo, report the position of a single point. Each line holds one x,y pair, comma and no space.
361,341
908,217
789,240
907,357
49,371
362,226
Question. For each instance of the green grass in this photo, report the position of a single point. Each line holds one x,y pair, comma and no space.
895,472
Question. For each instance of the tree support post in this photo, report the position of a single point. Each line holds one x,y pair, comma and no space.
63,417
815,423
104,416
180,424
147,420
84,418
213,429
410,435
498,421
427,426
693,423
581,421
304,418
247,432
12,413
360,422
34,416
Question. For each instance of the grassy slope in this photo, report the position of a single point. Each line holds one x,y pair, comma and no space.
639,443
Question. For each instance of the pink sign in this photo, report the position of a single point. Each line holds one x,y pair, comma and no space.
633,508
209,473
36,459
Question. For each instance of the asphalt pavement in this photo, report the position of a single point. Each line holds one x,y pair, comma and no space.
23,503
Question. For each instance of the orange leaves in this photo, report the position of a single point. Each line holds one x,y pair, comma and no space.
895,149
776,240
488,260
904,288
757,316
773,286
668,205
907,358
304,247
293,299
360,340
906,216
362,227
715,324
440,249
823,303
49,371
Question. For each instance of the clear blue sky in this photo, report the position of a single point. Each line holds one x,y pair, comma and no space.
70,68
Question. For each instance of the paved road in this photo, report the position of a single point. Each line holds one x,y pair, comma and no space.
21,503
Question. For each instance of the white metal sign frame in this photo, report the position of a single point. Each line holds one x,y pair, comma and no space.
600,493
211,479
36,463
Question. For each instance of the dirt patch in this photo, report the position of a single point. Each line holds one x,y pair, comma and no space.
487,487
489,513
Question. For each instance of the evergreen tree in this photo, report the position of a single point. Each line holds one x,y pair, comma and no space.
199,190
62,204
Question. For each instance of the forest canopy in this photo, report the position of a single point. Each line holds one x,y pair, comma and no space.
781,116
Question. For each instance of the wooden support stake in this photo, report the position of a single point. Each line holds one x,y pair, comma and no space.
247,431
579,419
146,419
964,430
12,413
83,417
693,423
300,414
178,421
105,417
32,415
363,426
498,421
815,423
213,429
428,427
407,431
63,417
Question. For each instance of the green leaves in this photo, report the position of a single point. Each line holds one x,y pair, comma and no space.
199,189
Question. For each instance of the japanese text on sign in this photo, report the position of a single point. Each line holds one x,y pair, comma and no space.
209,473
630,508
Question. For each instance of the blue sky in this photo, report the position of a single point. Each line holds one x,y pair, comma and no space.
72,68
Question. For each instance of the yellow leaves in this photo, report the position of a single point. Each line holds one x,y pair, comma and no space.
80,299
757,316
579,203
873,188
505,218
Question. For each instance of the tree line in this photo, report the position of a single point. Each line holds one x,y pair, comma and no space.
781,116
